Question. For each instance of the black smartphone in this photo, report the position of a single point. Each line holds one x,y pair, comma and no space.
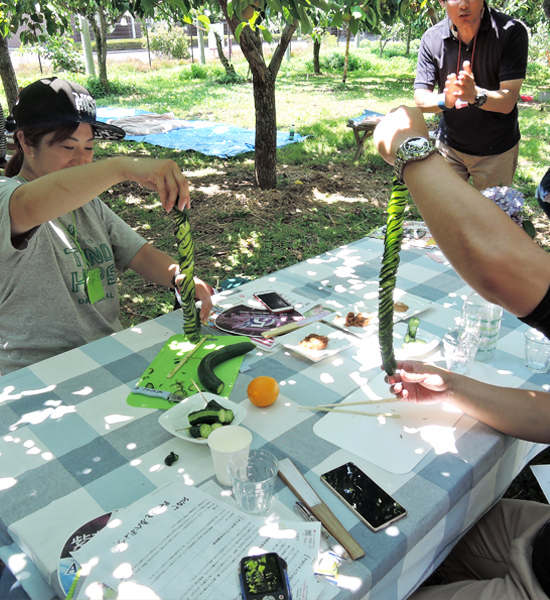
273,301
264,577
374,506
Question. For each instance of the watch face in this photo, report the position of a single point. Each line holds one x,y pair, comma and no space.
417,146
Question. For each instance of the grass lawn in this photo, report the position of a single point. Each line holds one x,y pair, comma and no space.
324,198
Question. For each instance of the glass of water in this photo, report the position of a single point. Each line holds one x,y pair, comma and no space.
537,351
460,350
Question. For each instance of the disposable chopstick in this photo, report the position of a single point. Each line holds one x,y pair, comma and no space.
200,392
294,325
339,404
351,412
186,358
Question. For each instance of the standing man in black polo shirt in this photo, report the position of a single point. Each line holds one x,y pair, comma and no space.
471,66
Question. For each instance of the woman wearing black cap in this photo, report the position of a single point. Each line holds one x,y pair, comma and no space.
60,246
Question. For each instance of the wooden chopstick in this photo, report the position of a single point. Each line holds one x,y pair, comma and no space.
382,401
187,357
200,391
351,412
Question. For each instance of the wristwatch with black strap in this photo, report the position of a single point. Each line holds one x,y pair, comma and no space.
411,150
481,98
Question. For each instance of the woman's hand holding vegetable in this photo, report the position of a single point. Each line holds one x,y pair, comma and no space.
203,293
161,176
418,382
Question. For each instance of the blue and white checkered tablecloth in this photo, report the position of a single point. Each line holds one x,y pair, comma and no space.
71,448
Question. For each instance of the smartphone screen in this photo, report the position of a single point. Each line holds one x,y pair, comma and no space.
367,499
273,301
263,576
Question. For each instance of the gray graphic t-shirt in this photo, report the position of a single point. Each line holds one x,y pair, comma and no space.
44,305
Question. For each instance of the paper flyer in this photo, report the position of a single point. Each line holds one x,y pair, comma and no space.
181,543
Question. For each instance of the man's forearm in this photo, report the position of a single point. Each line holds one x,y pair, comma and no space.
428,102
486,248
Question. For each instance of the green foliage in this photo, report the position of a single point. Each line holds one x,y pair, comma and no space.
119,44
170,42
63,54
230,78
334,61
117,88
539,45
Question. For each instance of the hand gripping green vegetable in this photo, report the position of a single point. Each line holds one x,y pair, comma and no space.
388,273
186,258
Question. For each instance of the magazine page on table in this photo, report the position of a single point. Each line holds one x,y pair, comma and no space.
142,551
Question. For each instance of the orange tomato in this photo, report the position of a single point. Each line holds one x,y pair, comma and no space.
263,391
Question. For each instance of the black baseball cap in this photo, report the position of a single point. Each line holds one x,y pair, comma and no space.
53,100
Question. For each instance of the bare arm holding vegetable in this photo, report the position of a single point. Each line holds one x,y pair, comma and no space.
48,196
159,267
486,248
521,413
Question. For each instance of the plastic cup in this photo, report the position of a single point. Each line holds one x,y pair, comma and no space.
253,475
537,351
460,350
224,443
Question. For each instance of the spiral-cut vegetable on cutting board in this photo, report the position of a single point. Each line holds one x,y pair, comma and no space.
186,259
388,273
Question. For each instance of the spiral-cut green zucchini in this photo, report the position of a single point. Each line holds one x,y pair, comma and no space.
388,273
186,259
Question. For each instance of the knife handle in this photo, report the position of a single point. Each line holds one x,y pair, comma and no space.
302,490
337,530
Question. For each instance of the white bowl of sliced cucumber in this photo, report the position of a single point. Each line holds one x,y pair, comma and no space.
194,418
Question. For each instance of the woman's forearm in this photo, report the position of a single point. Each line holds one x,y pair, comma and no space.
59,193
521,413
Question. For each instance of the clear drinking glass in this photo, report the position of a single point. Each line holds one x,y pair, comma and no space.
253,474
460,350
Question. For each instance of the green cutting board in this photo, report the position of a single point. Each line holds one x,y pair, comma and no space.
173,351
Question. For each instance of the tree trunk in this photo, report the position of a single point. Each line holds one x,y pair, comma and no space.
266,130
316,52
100,34
229,68
346,60
409,32
263,79
9,80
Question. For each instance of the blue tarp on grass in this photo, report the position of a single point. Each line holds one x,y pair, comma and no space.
214,139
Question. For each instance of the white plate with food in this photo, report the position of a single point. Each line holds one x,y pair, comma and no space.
360,324
316,341
176,419
426,343
406,305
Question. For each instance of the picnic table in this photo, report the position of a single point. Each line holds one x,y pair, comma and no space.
72,447
363,127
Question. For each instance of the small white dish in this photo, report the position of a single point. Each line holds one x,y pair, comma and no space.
415,305
175,420
338,340
339,320
417,349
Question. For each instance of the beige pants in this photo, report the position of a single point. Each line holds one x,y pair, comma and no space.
485,171
493,560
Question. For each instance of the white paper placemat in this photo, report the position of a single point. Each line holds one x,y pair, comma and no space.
396,445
